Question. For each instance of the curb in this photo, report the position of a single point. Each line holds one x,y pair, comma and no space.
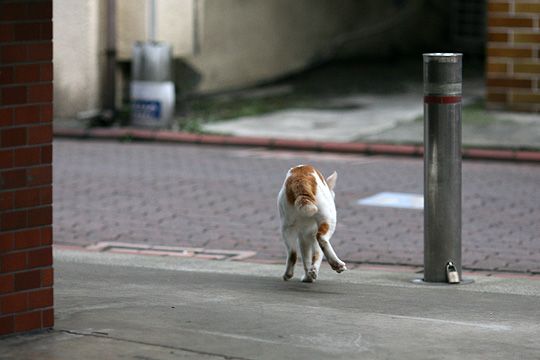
287,144
248,257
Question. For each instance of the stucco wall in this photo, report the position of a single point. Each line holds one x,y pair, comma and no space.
226,44
79,44
77,55
174,25
246,41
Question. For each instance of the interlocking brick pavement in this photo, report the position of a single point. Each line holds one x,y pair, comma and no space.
225,198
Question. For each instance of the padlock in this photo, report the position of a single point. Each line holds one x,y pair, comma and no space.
452,274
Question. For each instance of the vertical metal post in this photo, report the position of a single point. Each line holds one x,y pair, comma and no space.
442,165
152,21
109,90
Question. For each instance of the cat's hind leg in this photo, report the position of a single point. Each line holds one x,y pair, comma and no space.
306,248
316,259
324,234
290,240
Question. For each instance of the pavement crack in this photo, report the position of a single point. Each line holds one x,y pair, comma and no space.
169,347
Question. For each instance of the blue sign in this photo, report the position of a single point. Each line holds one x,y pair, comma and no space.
396,200
147,109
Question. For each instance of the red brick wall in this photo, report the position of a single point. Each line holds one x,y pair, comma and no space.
513,55
26,274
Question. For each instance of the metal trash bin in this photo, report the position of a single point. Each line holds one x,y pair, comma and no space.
151,89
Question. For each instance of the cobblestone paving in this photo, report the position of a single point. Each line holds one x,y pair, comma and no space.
225,198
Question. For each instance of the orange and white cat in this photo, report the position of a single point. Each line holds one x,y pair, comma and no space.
308,220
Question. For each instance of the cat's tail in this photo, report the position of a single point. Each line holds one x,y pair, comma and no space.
305,205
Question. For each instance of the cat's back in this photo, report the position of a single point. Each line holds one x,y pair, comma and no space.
303,191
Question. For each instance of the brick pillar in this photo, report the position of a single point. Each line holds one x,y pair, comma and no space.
513,55
26,273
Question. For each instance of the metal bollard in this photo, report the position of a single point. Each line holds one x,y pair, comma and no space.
442,167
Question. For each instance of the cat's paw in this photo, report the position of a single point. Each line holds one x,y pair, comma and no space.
287,276
313,273
307,278
339,266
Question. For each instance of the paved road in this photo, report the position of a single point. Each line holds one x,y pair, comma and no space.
111,306
224,198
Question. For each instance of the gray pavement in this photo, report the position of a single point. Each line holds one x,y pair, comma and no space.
218,198
220,202
113,306
391,118
370,115
510,131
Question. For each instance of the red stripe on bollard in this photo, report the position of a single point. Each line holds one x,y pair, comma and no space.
430,99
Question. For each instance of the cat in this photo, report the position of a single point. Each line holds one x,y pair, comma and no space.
308,220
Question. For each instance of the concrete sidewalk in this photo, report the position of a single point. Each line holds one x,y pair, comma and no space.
366,115
113,306
364,123
388,119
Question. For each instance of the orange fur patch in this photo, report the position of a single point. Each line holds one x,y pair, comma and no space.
301,183
315,257
323,229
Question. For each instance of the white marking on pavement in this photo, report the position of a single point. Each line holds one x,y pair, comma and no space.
304,341
361,344
235,336
494,327
393,199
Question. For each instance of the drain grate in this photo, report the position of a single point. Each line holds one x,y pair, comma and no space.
175,251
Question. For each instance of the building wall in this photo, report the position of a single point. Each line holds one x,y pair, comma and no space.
174,25
513,55
26,94
226,44
245,42
80,39
78,52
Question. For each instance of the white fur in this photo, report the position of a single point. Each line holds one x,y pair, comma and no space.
299,230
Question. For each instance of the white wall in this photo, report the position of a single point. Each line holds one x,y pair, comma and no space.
76,50
79,44
244,42
227,43
174,25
